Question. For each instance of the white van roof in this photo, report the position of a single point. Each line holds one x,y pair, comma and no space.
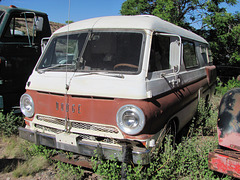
142,22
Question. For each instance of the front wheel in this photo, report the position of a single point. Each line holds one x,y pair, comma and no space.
166,137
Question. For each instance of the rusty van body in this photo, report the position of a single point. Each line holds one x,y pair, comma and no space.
106,82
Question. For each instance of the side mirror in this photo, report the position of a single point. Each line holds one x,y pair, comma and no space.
175,54
39,23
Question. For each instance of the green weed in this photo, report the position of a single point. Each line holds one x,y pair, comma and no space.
68,171
109,169
9,124
35,150
223,88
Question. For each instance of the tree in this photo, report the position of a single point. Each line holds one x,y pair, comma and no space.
69,22
220,28
178,12
223,35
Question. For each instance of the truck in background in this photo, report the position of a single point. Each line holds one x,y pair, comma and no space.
226,159
21,31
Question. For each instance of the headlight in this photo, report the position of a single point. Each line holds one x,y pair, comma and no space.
27,105
130,119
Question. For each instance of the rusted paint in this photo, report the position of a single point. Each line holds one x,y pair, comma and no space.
229,120
211,74
77,160
225,161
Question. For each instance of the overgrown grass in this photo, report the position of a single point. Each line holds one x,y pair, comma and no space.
14,147
31,166
34,159
63,170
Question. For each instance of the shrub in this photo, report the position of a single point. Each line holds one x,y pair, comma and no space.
223,88
68,171
10,123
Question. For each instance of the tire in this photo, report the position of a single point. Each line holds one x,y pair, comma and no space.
169,131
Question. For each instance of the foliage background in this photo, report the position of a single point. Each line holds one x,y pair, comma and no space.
219,27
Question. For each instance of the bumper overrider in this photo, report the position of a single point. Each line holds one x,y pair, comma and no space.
74,143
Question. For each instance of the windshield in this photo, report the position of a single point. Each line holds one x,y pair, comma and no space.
94,51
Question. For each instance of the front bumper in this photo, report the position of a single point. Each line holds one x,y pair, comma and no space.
72,143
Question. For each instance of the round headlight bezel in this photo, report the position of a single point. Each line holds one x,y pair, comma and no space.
136,119
27,105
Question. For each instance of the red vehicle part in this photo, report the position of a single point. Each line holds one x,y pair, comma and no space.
227,159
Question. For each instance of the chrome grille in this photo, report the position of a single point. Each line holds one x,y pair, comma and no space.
49,129
79,125
51,120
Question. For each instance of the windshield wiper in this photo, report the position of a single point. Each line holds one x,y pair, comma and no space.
53,67
101,74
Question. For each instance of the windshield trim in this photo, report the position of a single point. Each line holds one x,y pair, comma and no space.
95,31
2,15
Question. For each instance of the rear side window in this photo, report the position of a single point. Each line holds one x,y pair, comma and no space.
210,56
204,54
189,54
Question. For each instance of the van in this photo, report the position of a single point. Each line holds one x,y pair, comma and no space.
21,31
108,84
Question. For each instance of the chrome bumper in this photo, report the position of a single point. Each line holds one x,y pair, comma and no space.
139,155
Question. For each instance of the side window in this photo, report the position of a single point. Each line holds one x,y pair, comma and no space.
159,57
189,54
64,56
204,54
